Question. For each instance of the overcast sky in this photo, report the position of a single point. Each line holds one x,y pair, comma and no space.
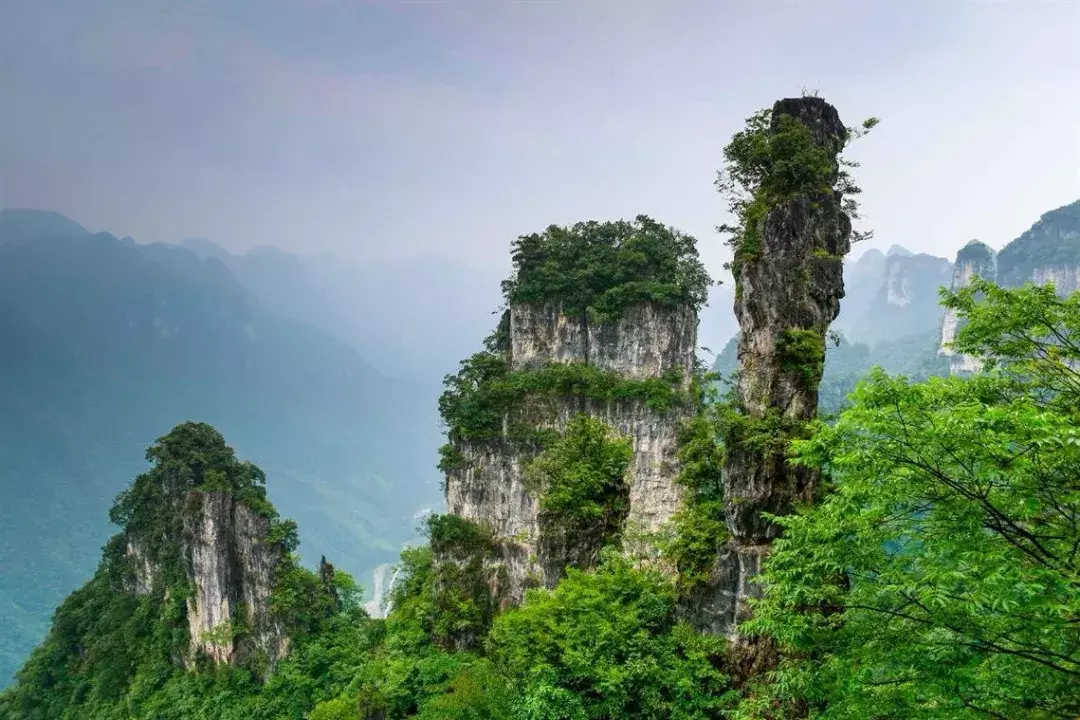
396,128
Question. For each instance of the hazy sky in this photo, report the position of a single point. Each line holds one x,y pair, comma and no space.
396,128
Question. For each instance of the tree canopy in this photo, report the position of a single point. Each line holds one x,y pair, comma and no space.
602,267
940,576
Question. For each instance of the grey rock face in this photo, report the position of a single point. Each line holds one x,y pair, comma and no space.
232,569
647,341
974,259
1048,253
793,285
144,574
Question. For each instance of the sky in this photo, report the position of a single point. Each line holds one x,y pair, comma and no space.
397,129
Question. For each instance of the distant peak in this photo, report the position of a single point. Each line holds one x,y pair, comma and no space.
873,255
20,224
975,251
899,251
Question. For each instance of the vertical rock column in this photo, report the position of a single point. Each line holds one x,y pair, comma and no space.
786,295
975,258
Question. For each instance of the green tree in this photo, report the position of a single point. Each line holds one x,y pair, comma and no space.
607,644
774,158
602,267
940,576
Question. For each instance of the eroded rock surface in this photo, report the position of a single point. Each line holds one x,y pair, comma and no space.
786,297
647,341
230,567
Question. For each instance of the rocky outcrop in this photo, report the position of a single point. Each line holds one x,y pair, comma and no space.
786,297
974,259
646,341
232,569
488,486
1048,253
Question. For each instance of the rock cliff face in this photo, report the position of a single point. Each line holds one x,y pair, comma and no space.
489,487
975,258
906,301
230,566
786,297
646,341
232,570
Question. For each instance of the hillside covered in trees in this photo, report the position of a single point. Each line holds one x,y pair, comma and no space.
621,540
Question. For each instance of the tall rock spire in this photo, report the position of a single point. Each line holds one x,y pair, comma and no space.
788,290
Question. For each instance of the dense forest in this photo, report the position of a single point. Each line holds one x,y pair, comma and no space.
925,562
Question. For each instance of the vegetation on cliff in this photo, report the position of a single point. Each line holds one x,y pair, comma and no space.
600,268
1049,243
580,480
478,397
771,160
938,578
119,645
699,530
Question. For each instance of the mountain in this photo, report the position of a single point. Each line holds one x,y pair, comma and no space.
375,307
1046,253
31,224
906,303
862,279
106,344
201,578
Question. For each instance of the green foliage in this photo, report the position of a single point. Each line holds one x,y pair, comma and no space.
700,530
582,476
580,481
484,391
938,578
606,644
602,268
770,161
802,352
459,601
454,535
300,600
111,653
